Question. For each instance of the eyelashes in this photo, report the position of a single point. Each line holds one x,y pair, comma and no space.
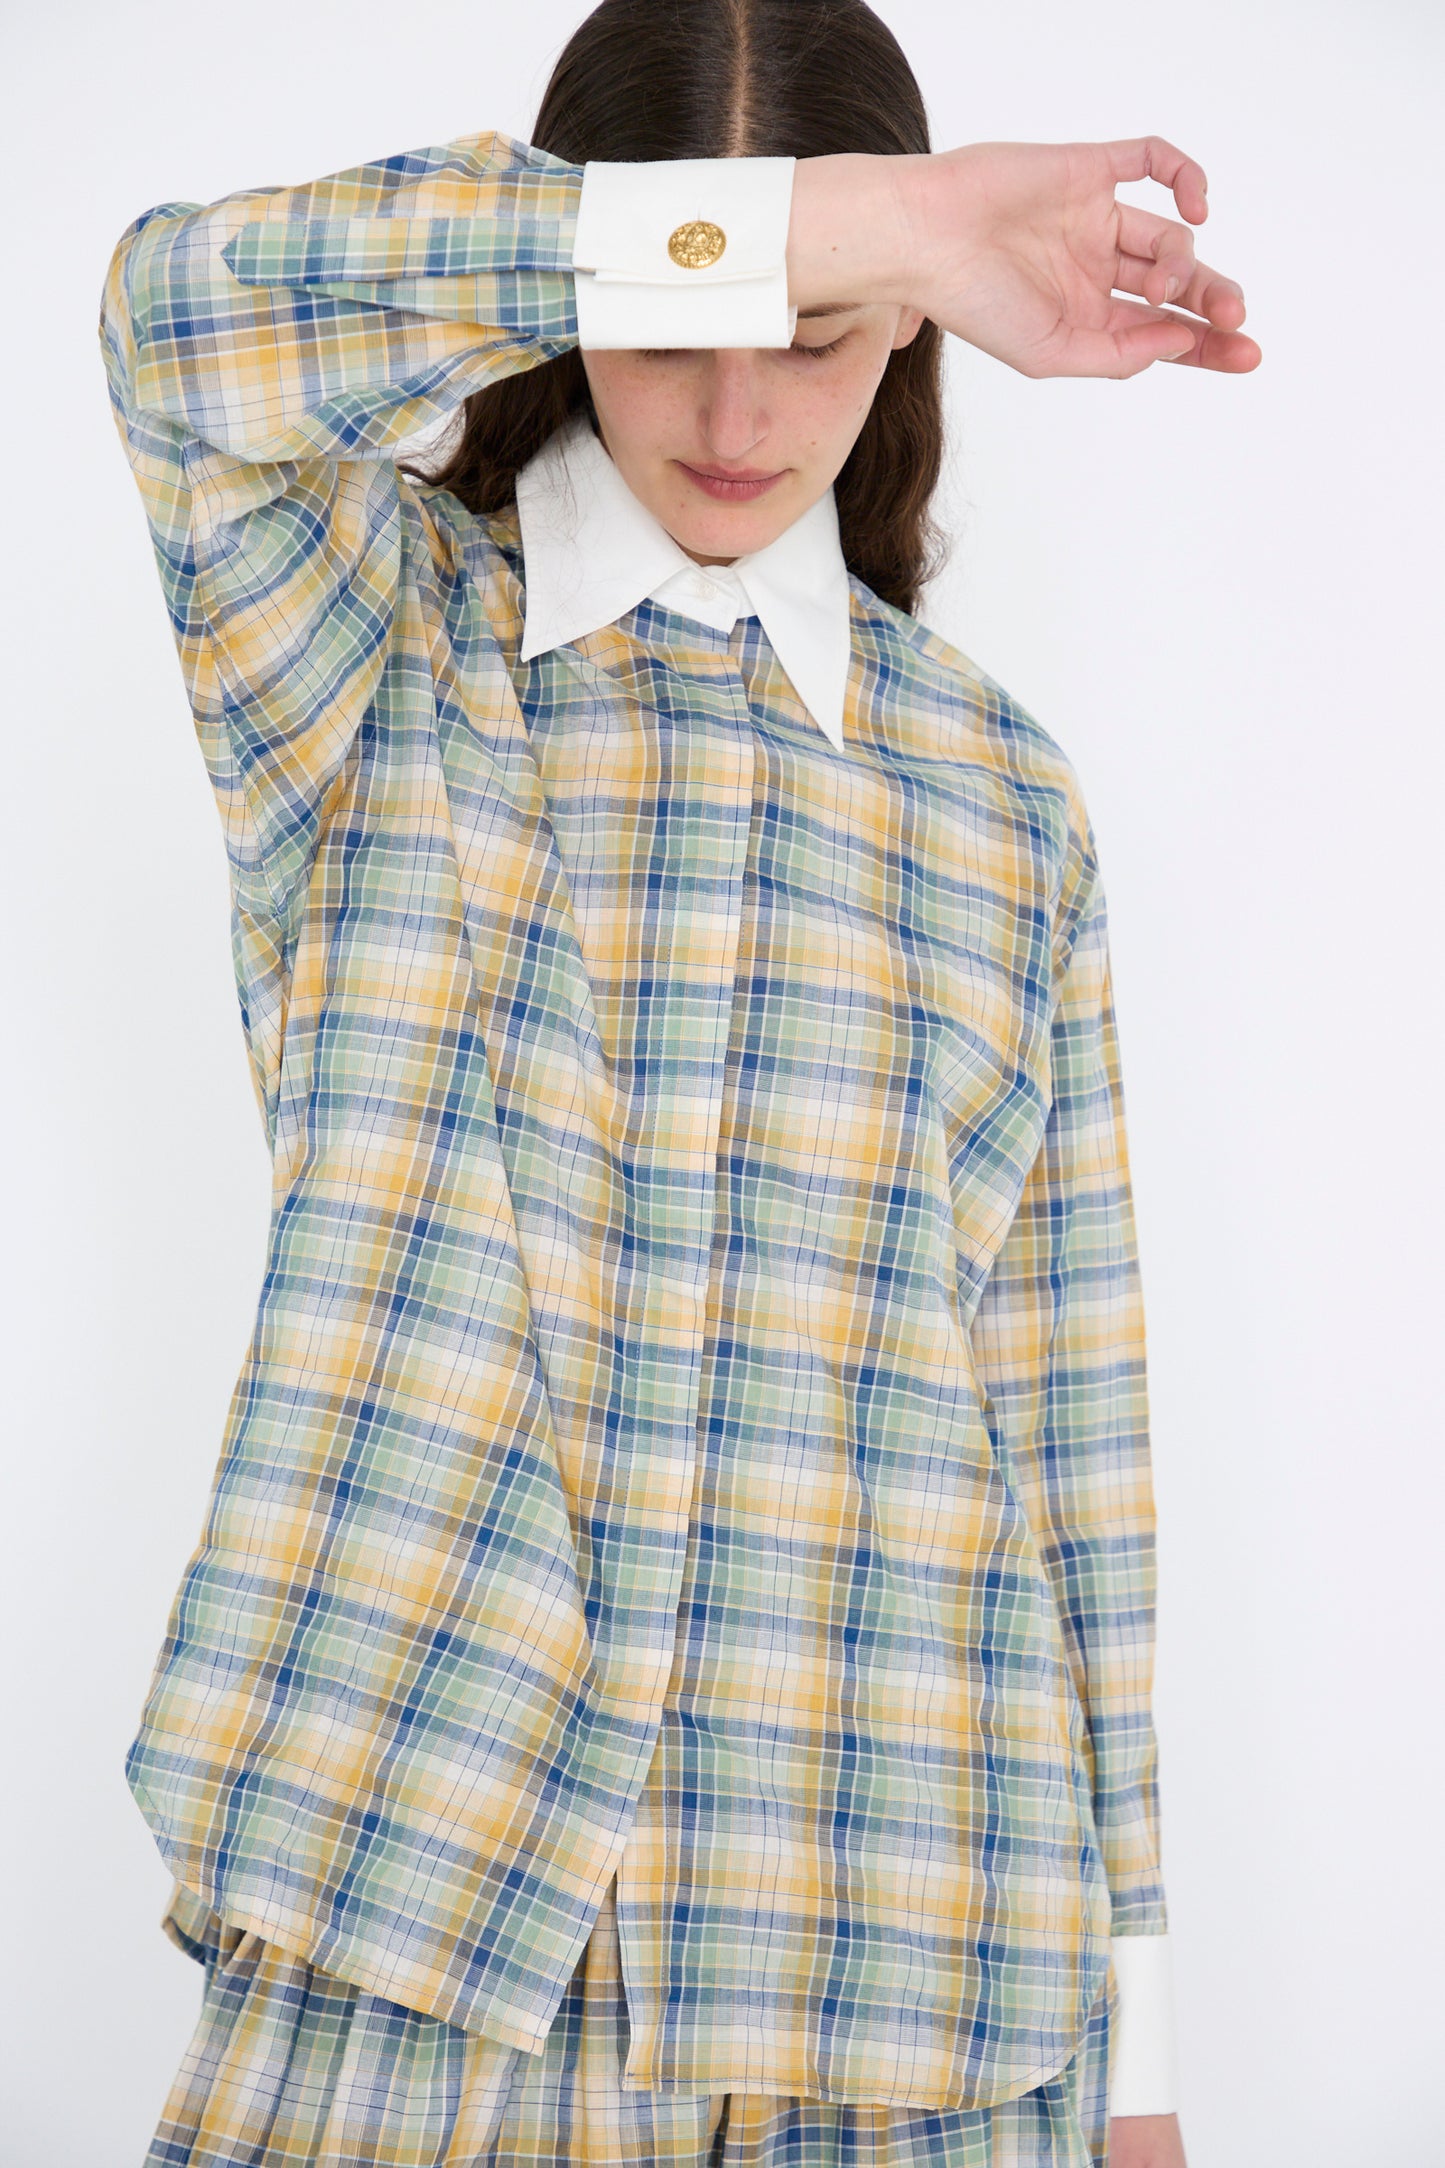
814,353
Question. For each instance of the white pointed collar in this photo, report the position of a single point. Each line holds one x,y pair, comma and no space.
592,551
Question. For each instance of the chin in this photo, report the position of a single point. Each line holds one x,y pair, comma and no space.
731,530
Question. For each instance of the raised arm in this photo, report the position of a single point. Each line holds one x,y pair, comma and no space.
338,316
265,354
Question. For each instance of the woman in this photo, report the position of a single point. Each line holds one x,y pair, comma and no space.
665,1677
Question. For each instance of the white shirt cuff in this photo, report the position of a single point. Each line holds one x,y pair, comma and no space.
630,291
1143,2065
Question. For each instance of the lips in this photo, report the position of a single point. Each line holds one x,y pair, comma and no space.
737,488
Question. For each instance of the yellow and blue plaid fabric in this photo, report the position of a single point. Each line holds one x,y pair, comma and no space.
695,1424
290,2068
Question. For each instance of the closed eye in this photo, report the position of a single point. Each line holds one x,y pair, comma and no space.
668,353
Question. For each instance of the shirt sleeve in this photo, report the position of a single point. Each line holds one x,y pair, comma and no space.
266,355
640,284
1143,2055
1058,1342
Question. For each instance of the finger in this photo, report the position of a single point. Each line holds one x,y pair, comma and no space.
1151,158
1127,341
1207,293
1144,336
1165,242
1232,353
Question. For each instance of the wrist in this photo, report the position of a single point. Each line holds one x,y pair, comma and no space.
855,229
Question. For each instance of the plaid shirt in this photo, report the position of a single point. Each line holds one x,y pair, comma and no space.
695,1423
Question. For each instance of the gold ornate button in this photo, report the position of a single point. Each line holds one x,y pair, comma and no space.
697,244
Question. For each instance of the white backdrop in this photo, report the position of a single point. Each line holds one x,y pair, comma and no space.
1221,596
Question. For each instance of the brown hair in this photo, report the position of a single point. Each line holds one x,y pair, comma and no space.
651,79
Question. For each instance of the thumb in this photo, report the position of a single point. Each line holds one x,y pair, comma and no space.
1142,339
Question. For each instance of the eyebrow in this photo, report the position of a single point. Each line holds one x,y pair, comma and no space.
830,308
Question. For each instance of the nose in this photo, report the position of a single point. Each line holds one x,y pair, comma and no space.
734,420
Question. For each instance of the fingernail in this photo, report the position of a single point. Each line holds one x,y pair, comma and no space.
1171,288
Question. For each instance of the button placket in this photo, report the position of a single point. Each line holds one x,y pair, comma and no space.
685,949
708,952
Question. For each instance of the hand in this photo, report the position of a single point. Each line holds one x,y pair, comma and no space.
1145,2141
1018,248
1023,244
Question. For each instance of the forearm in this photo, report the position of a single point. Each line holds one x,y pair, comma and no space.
858,229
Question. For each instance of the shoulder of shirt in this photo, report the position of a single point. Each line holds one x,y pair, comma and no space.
927,672
992,725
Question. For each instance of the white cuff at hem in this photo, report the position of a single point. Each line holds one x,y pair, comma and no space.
629,290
